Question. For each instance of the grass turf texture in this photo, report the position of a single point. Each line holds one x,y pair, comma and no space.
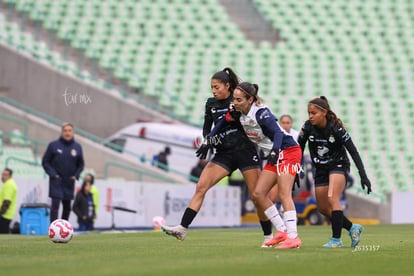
384,250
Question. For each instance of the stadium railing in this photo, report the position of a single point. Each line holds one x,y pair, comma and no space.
24,125
140,173
83,133
24,161
36,144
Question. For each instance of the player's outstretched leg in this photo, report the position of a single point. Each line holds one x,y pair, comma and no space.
180,232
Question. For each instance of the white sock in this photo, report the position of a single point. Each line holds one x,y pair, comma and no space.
267,237
272,214
290,221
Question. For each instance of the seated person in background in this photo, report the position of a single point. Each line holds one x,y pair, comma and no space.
162,159
197,169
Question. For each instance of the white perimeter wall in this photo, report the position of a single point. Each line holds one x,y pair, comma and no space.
402,206
221,206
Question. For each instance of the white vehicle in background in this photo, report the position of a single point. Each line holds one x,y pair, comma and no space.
147,140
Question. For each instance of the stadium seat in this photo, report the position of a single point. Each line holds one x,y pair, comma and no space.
20,169
358,54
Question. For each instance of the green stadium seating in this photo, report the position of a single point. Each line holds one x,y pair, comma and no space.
20,169
357,53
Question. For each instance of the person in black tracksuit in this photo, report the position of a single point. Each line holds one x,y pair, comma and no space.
233,150
328,142
84,208
63,162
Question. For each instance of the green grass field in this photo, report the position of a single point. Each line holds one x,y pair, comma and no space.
384,250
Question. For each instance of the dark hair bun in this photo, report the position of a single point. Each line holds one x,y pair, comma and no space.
324,98
256,86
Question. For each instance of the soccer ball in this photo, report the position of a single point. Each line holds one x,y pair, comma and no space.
157,222
60,231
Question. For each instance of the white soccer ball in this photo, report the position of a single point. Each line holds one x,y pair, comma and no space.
60,231
157,222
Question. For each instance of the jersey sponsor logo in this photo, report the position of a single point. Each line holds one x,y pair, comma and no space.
230,131
346,136
214,110
59,151
252,134
216,139
265,114
322,150
73,152
316,160
312,139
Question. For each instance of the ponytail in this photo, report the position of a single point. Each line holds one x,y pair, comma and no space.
250,90
227,75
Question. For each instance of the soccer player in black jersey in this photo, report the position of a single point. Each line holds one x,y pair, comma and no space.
328,141
233,150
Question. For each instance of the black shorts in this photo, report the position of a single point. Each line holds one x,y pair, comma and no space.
322,173
244,159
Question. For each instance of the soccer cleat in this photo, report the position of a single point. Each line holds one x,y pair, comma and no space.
333,243
180,232
265,240
290,243
277,238
355,234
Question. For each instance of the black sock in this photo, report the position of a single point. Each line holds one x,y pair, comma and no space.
337,222
188,216
266,227
347,223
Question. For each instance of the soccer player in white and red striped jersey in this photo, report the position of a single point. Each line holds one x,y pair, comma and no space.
283,162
